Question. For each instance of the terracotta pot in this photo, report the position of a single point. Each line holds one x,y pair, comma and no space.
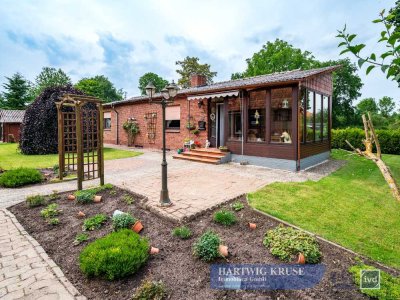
71,197
154,250
97,199
301,259
81,214
223,250
252,226
137,227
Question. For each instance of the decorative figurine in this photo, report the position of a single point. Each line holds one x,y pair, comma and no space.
286,137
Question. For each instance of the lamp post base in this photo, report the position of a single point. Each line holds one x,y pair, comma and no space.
164,199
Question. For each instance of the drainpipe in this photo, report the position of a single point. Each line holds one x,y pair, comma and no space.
117,119
298,128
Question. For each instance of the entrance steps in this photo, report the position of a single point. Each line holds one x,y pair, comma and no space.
205,155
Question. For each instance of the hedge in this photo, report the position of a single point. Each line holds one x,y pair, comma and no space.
389,139
39,133
20,177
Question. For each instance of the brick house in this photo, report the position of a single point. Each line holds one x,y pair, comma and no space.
280,120
10,124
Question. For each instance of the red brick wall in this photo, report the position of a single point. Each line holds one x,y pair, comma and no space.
138,110
11,128
321,83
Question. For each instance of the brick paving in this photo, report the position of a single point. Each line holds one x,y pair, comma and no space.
26,272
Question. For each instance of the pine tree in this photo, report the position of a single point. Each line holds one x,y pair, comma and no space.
17,92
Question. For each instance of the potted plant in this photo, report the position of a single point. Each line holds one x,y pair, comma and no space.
223,148
196,132
131,126
197,144
190,125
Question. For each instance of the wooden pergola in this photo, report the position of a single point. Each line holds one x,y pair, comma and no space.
80,137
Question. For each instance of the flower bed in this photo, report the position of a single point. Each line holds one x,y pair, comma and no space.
184,275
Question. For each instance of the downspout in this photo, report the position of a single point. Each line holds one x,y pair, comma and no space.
241,119
117,119
298,127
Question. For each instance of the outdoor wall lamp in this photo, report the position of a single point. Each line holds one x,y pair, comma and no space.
200,103
167,96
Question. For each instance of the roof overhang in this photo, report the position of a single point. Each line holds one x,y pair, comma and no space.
234,93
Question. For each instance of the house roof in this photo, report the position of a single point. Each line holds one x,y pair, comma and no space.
261,80
11,116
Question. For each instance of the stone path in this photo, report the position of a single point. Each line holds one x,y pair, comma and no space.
26,272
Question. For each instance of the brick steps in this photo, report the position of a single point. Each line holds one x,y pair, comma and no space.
210,155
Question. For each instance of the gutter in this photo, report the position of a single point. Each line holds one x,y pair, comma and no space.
117,119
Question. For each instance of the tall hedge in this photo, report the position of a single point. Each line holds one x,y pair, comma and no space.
39,133
389,139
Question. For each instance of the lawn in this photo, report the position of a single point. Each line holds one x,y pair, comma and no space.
11,158
353,207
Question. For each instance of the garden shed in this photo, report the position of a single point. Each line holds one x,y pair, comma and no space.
10,125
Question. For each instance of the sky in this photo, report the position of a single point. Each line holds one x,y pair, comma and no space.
125,39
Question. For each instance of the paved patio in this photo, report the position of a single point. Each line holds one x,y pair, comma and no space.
193,187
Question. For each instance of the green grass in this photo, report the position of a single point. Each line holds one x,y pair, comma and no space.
11,158
353,207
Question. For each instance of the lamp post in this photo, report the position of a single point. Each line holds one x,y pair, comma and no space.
167,96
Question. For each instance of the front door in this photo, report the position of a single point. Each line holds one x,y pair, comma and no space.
220,121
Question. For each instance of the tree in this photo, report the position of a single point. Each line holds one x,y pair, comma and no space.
275,57
389,60
50,77
367,105
17,92
281,56
191,65
386,106
158,82
100,87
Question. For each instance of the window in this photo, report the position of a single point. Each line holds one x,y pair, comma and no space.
318,117
173,117
310,117
256,117
234,120
107,120
281,115
302,99
325,117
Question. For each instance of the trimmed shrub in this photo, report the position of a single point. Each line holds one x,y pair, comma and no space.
20,177
122,221
390,286
287,242
182,232
224,217
150,290
206,247
36,200
388,139
117,255
39,130
94,222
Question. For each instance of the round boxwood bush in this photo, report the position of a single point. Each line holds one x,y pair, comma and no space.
117,255
19,177
39,130
206,247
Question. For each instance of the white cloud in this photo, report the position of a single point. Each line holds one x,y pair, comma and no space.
223,33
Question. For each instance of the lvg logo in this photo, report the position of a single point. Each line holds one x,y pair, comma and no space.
370,279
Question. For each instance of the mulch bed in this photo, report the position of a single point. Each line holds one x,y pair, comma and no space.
185,276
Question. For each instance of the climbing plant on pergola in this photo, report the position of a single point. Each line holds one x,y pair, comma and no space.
80,137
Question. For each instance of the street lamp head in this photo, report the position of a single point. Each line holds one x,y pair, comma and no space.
150,89
165,94
172,89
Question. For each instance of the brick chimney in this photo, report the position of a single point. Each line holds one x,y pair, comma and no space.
197,80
